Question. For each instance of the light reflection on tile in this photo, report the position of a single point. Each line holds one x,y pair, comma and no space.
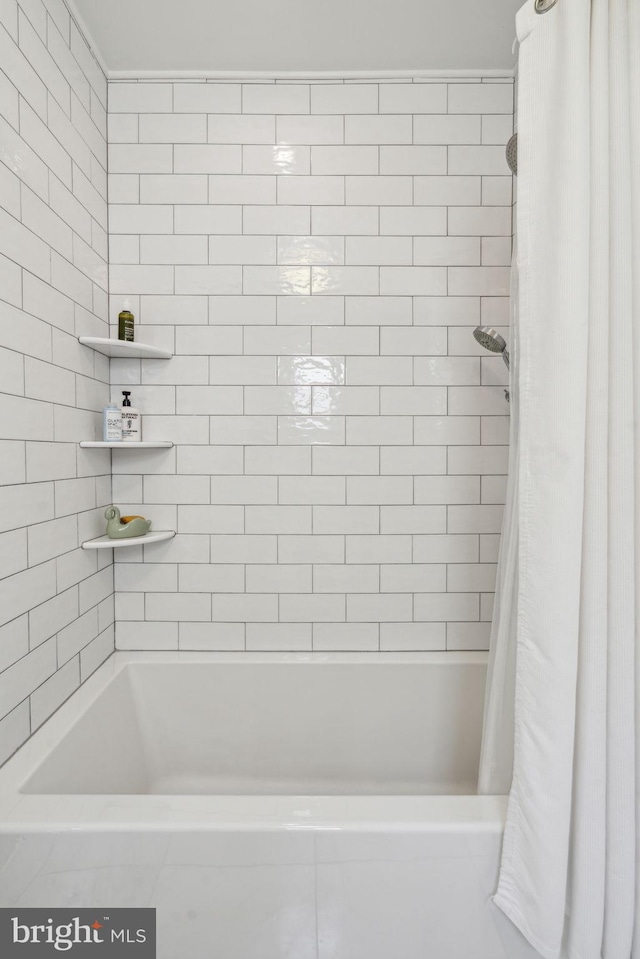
303,430
283,280
345,400
345,280
286,159
311,249
311,370
301,399
276,159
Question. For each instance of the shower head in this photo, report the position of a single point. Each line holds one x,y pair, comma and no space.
512,154
490,339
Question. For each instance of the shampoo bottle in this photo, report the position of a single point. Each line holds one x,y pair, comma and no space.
131,432
125,323
112,423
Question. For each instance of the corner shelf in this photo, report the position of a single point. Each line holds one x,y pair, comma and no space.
104,542
120,445
124,349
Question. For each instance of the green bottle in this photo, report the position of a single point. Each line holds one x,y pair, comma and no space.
125,323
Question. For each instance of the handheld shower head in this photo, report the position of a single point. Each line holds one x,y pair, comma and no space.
491,340
487,337
512,154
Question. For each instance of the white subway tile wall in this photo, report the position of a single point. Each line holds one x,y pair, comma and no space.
56,600
317,254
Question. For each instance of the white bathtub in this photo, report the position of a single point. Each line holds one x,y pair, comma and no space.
269,806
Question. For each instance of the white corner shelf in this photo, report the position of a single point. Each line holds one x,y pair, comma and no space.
104,542
120,445
124,349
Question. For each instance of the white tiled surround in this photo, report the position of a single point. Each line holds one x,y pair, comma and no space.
318,255
56,601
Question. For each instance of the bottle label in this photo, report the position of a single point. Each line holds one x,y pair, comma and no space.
125,328
113,426
130,424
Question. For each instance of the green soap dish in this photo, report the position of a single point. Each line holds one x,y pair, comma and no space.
116,529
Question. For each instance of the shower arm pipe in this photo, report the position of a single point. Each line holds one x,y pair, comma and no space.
505,357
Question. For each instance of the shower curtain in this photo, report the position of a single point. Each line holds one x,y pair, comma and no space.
562,721
496,759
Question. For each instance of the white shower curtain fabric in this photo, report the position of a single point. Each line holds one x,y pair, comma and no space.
496,760
569,873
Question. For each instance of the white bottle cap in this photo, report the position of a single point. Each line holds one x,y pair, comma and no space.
125,304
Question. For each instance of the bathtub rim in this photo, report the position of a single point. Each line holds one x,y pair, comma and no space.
53,812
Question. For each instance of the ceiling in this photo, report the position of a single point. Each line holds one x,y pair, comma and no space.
280,36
